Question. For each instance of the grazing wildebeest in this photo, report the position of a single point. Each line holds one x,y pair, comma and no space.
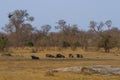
49,56
34,57
60,56
71,56
79,55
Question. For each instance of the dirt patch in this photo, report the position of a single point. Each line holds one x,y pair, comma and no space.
106,70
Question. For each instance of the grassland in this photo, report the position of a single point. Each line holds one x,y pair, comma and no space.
28,69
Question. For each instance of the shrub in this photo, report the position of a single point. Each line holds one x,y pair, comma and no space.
30,44
3,41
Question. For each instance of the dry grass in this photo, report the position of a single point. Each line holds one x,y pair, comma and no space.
58,76
41,70
91,53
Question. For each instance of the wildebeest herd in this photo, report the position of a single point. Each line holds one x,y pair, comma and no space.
59,56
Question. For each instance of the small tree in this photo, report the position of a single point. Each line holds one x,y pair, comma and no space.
3,42
105,42
30,44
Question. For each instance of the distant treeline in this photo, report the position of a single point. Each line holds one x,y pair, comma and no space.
20,33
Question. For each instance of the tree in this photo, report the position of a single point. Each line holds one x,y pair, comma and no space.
63,33
108,23
18,25
46,29
69,34
44,39
103,36
105,42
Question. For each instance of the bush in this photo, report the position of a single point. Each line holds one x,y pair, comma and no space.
3,42
65,44
30,44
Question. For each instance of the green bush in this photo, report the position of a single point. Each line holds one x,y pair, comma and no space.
30,44
3,42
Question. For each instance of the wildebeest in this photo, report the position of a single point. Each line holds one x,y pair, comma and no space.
79,55
60,56
71,56
50,56
35,57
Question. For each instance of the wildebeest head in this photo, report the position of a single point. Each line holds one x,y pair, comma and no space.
60,56
71,55
50,56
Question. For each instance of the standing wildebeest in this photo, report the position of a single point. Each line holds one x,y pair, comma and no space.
34,57
49,56
60,56
79,55
71,56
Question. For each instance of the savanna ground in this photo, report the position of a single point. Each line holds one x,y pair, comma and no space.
20,66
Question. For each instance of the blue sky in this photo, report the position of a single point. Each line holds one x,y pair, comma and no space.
79,12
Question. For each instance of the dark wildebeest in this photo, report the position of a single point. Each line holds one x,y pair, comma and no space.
71,56
34,57
60,56
79,55
49,56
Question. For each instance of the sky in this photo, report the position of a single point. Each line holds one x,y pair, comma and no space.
79,12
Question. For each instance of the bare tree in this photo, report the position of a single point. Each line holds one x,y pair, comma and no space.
108,23
46,29
69,34
103,36
18,23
